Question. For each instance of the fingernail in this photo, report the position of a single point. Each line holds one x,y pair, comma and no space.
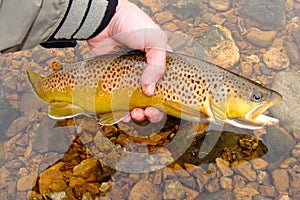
149,89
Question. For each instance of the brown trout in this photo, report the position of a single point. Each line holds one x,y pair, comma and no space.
190,89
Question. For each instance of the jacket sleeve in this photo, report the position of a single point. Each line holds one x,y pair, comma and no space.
55,23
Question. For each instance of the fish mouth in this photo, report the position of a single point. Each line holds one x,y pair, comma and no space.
256,119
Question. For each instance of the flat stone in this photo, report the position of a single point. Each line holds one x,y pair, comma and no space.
267,190
276,58
261,38
296,35
224,167
88,169
226,183
17,125
26,182
245,193
213,185
294,178
174,190
220,5
259,163
264,14
164,17
238,181
219,44
245,169
281,180
288,84
144,189
292,51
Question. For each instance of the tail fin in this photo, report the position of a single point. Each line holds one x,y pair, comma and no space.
34,79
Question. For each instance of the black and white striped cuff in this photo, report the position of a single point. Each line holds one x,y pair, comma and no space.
84,19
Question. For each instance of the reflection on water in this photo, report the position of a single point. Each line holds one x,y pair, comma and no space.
259,39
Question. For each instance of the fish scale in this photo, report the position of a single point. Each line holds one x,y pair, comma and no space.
192,89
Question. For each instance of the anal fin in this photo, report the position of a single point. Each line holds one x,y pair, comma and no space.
111,118
63,110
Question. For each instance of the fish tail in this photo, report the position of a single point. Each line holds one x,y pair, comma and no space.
34,79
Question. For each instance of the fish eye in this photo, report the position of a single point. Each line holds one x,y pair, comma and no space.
256,96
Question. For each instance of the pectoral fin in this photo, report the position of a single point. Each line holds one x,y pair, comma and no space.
111,118
62,110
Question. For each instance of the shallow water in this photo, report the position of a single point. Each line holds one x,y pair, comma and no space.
41,157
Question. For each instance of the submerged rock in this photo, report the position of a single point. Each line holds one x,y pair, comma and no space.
287,83
261,38
219,44
265,14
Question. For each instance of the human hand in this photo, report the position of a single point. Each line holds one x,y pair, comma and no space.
133,28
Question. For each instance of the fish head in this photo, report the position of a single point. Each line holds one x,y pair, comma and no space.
246,109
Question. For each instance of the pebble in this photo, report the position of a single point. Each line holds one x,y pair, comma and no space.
220,5
238,181
144,189
88,169
245,169
288,84
281,180
219,44
267,190
226,183
259,164
26,182
245,193
276,58
224,167
294,178
16,126
263,177
296,151
163,17
174,190
289,162
213,185
292,51
261,38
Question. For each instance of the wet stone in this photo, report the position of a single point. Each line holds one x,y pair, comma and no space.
144,189
220,5
26,182
267,190
259,163
224,167
226,183
261,38
88,169
281,180
276,58
17,126
294,178
245,193
264,14
279,144
238,181
296,35
245,169
288,84
263,177
174,190
213,185
292,51
219,44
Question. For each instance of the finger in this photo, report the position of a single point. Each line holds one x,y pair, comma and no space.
155,69
101,44
153,114
137,114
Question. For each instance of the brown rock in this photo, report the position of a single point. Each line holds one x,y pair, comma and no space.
296,150
288,162
263,177
220,5
213,185
226,183
17,126
292,51
245,193
155,6
58,185
261,38
238,181
245,170
26,182
174,190
144,189
281,179
276,58
191,194
294,178
259,163
224,167
267,190
88,169
77,181
164,17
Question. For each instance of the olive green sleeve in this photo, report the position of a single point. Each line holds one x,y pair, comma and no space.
27,23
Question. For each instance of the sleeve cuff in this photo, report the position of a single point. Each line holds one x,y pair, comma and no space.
84,19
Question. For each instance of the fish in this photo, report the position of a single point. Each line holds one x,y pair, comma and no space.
191,89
